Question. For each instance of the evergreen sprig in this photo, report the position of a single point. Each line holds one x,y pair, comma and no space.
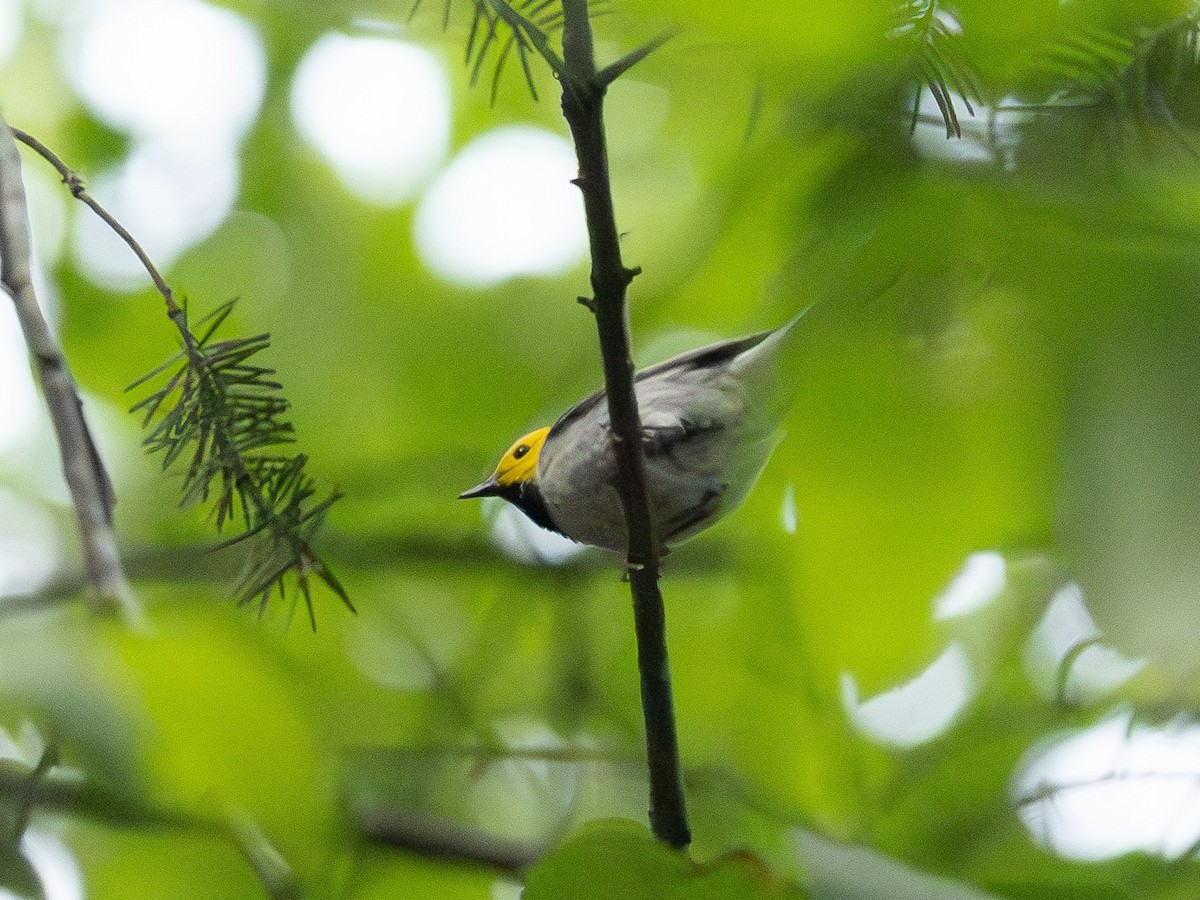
1136,78
500,29
1090,57
220,415
942,68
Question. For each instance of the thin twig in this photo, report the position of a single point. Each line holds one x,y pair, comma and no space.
87,479
441,839
500,753
274,874
71,793
1050,791
27,799
264,570
202,564
583,108
79,191
75,795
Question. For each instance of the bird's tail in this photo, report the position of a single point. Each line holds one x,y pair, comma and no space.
777,347
771,368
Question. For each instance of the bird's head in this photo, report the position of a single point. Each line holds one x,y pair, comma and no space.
517,468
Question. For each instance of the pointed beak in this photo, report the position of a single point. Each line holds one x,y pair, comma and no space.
488,488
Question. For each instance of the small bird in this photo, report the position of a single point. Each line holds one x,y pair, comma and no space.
710,420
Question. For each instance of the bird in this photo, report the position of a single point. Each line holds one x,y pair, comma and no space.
710,420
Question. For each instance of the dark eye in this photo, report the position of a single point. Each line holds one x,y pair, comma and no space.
520,451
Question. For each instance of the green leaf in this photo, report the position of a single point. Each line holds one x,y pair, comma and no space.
620,860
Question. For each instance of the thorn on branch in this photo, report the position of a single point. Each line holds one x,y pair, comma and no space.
611,73
589,302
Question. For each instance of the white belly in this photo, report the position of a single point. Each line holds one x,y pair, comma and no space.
691,482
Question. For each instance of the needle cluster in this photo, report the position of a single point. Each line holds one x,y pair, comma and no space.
218,416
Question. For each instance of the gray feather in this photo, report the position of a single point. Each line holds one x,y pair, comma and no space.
710,419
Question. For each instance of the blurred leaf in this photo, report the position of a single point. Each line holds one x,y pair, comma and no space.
18,878
385,876
227,732
841,872
120,863
617,859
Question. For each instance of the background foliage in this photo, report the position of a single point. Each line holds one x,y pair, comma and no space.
1004,361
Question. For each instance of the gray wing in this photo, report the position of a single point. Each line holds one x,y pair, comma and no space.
686,370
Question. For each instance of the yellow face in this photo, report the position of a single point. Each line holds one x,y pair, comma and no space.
519,464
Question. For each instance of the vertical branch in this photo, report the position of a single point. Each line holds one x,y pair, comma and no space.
583,108
91,490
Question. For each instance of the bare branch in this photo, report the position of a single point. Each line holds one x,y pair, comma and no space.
91,490
1049,790
583,108
441,839
274,874
79,191
74,794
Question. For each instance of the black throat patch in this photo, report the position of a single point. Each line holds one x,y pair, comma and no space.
527,498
